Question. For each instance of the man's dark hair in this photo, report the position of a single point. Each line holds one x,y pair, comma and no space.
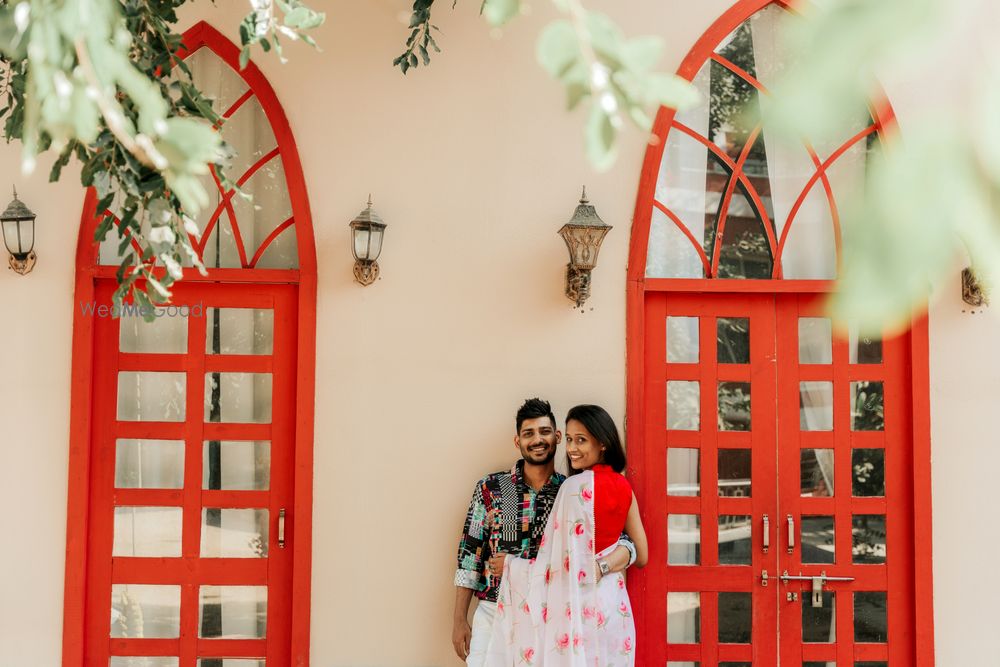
533,408
600,424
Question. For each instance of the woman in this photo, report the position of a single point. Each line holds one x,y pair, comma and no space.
561,609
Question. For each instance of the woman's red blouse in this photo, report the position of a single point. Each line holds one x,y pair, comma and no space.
612,500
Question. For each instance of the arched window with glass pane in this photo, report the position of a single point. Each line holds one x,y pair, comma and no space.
189,527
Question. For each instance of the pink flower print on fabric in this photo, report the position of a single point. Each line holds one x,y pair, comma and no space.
589,612
601,619
578,528
581,576
562,642
626,646
525,608
586,494
527,655
545,613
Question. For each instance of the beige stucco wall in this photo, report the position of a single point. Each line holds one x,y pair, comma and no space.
474,165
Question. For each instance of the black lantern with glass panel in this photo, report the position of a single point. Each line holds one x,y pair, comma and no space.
19,235
583,235
367,229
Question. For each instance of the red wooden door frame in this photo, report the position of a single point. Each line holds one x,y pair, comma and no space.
82,388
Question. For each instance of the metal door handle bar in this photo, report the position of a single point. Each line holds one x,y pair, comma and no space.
791,534
281,529
785,577
767,533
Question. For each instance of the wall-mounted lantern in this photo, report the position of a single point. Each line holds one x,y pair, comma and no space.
973,292
367,229
19,235
583,235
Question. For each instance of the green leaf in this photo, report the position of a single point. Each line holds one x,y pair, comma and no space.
499,12
558,48
600,137
642,53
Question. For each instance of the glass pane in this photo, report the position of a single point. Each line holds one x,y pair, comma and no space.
867,406
746,251
683,618
734,472
149,464
816,406
735,664
864,349
819,664
142,661
815,340
870,617
239,331
683,539
232,612
145,611
819,624
734,539
816,470
234,533
734,406
871,664
249,135
682,340
733,340
734,618
151,396
167,334
670,253
868,468
230,662
810,251
817,539
683,405
148,531
238,397
868,538
217,79
236,465
674,663
683,474
261,215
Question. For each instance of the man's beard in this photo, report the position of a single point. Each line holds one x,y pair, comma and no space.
545,461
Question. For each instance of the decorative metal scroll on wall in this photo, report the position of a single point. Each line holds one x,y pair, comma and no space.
253,227
732,203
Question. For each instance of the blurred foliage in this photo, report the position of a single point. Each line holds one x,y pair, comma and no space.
586,52
99,81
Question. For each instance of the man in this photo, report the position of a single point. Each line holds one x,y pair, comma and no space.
507,515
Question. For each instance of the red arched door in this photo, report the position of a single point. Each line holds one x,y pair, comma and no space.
190,488
782,469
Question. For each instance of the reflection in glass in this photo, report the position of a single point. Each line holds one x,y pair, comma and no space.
871,619
868,471
733,340
143,661
734,406
239,331
864,349
149,464
151,396
734,472
683,618
232,612
683,405
683,475
734,539
236,465
683,539
230,662
819,624
867,406
165,334
815,340
818,544
816,473
238,397
816,406
819,664
746,251
145,611
234,533
682,340
868,538
734,618
148,532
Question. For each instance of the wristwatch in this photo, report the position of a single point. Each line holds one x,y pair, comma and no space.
605,568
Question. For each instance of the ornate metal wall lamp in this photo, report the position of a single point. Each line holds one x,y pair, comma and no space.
367,230
19,235
583,235
973,292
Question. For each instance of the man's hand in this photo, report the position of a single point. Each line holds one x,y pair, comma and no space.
461,635
496,564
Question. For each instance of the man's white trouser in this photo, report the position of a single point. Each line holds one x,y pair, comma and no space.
482,628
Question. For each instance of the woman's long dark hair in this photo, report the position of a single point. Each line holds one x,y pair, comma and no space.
600,424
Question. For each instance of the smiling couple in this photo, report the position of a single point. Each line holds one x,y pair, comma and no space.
545,554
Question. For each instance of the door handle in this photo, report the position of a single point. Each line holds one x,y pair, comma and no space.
817,584
791,534
767,533
281,528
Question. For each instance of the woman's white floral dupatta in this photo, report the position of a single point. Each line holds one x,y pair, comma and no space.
550,613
